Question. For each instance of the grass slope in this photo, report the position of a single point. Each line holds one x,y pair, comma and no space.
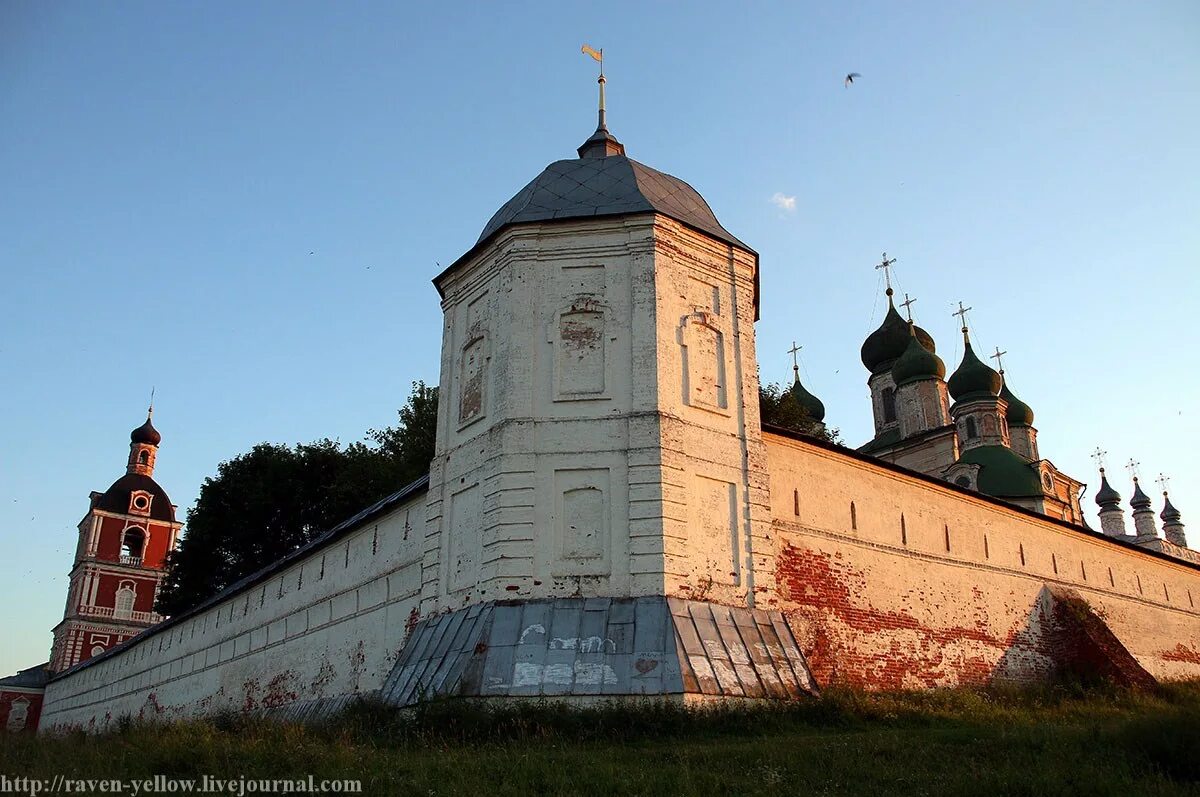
979,742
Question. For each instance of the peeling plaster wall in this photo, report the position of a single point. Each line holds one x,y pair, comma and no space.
331,624
921,585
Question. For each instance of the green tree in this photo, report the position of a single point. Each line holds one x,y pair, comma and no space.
273,499
778,407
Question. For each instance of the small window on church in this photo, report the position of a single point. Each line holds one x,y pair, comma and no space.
132,546
963,481
889,404
972,429
97,650
124,606
1048,482
143,457
139,503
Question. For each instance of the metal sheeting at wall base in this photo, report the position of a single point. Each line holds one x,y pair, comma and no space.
600,647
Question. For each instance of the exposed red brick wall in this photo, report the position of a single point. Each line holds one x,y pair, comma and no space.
891,581
851,641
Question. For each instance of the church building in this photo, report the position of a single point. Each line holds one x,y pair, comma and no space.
606,516
123,542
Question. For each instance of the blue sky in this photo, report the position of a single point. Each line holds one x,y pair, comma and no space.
242,205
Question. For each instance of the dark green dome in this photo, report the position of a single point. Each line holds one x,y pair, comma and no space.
917,362
811,404
1170,514
973,378
1002,473
1139,500
1106,496
885,344
1019,413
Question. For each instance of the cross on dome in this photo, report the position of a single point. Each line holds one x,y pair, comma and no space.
996,357
962,315
907,305
886,265
795,363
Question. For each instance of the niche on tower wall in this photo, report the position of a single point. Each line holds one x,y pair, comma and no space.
580,334
582,522
473,364
702,340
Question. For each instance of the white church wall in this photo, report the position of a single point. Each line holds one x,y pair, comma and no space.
892,581
330,624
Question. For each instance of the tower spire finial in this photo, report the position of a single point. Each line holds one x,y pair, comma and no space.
1098,455
602,143
1132,467
907,305
999,362
886,265
150,411
598,55
962,315
795,363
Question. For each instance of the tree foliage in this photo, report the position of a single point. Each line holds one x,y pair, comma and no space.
778,407
273,499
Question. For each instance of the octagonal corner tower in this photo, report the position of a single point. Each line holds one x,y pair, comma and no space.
598,432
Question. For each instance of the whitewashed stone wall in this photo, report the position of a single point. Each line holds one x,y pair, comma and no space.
599,430
329,625
891,581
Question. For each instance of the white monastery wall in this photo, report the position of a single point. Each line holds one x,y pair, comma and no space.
890,580
600,383
329,625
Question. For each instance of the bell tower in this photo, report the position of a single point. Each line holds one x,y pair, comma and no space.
123,542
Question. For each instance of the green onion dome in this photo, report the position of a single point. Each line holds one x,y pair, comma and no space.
917,362
1139,500
973,378
1019,413
811,404
1002,473
1106,496
885,344
1170,514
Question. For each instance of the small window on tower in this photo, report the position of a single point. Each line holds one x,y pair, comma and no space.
972,429
143,457
124,607
889,404
97,650
132,546
139,503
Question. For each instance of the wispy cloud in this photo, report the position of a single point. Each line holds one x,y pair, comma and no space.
783,202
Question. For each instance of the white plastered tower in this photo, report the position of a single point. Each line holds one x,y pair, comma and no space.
598,430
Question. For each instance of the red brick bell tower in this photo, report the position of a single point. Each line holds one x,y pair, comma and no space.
123,543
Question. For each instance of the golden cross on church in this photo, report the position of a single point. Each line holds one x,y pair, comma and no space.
1164,482
1099,454
795,363
907,305
886,265
1132,467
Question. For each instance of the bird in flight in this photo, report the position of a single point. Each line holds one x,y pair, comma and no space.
850,78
